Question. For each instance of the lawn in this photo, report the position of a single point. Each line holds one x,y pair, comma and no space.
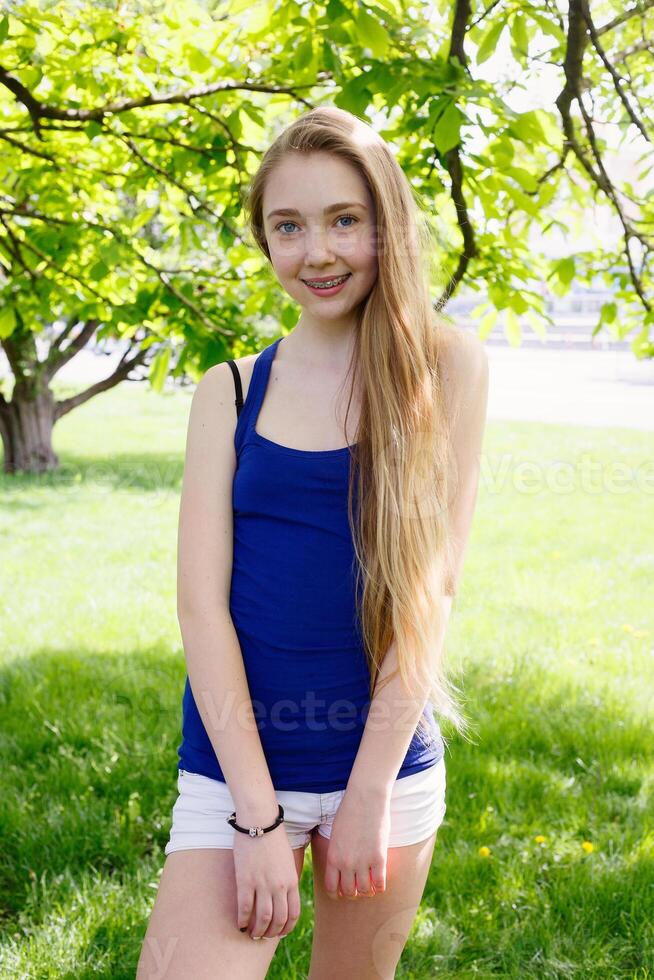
544,866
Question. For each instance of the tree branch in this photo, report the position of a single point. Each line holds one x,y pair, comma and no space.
121,372
177,183
452,158
585,12
161,274
640,8
57,356
577,41
42,110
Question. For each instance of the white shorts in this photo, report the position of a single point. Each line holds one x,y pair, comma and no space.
203,805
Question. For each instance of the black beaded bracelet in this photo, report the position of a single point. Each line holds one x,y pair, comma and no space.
257,831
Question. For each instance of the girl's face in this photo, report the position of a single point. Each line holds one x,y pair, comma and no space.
309,238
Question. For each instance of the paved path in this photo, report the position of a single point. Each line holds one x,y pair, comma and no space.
582,387
563,385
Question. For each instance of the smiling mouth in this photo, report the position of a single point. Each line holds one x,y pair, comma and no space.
327,283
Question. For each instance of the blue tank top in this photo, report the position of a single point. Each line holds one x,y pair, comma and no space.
292,602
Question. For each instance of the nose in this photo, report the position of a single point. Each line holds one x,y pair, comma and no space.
317,247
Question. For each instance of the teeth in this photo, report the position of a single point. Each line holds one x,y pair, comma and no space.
328,284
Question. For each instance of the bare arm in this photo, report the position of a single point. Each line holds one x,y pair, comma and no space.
204,569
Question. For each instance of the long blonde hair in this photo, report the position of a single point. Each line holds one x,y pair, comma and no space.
401,464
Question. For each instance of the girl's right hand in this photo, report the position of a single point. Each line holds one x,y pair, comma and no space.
267,885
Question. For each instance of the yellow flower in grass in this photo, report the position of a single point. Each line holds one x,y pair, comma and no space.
484,851
627,627
640,632
594,640
588,847
540,839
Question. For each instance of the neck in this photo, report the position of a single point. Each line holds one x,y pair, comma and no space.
330,346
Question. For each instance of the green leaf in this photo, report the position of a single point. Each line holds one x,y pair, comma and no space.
527,181
537,324
525,201
565,270
143,217
98,271
641,345
303,54
548,25
31,77
502,152
489,41
372,33
392,7
518,303
260,17
608,312
487,323
93,128
447,132
512,328
328,59
7,322
197,60
159,369
519,36
527,126
354,96
4,28
335,10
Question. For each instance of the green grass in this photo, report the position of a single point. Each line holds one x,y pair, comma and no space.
552,638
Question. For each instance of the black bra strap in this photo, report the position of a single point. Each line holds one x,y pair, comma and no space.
237,385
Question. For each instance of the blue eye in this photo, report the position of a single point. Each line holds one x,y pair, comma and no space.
284,223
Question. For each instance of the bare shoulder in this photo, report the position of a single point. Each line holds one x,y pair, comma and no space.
214,399
463,356
464,369
213,415
220,375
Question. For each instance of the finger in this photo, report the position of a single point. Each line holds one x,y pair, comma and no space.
279,917
263,913
294,909
244,907
348,884
378,875
362,880
331,880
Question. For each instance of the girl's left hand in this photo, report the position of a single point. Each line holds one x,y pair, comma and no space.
358,846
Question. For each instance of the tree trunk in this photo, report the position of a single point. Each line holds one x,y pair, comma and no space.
26,424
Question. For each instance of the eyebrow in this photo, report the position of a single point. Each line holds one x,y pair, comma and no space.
328,210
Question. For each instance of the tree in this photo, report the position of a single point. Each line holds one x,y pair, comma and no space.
127,147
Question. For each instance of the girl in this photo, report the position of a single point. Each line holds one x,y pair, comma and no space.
318,558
